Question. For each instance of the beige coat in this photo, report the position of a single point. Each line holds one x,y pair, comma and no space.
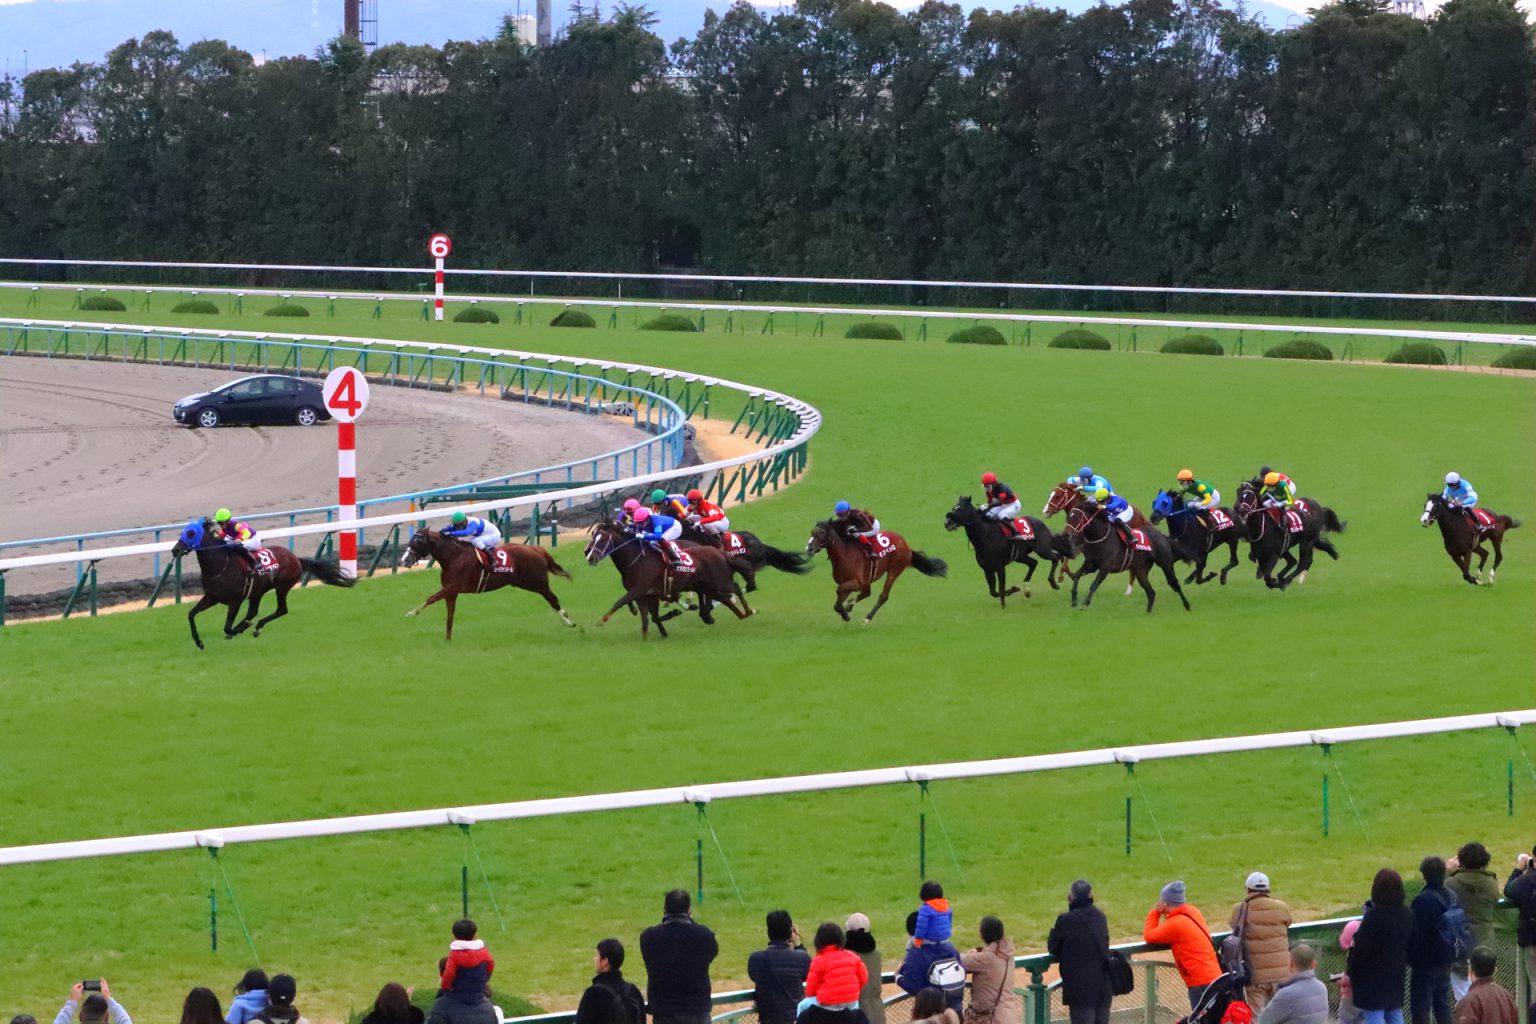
870,1000
1268,936
992,996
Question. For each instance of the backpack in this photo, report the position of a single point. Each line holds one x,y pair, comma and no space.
947,974
1122,980
1453,929
1233,954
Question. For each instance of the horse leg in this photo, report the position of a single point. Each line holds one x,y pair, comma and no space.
251,608
1075,578
1050,576
423,606
1232,561
203,604
843,590
1464,563
282,609
730,600
451,601
1498,556
991,575
1173,583
631,596
229,620
1094,587
1029,570
885,592
1139,575
554,602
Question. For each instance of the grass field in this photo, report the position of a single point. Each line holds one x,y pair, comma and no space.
117,725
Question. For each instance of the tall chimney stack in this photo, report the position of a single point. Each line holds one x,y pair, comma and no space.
352,19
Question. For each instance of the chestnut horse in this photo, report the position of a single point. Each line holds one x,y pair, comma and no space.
513,565
1462,541
648,581
855,571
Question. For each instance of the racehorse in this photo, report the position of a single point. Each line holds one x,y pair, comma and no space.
855,571
1068,495
226,582
994,550
511,565
701,569
1196,533
1271,538
1105,552
748,554
1462,541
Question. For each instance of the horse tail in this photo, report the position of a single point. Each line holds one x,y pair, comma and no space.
1331,521
929,566
553,566
786,561
326,572
1510,522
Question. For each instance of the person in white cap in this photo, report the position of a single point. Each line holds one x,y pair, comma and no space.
861,940
1265,923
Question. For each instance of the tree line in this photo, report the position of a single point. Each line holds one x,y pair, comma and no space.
1166,142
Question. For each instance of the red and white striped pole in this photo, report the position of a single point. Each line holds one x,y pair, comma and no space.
346,396
439,246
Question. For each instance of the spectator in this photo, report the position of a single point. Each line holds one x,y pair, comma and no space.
1349,1013
250,997
861,941
1477,889
393,1006
23,1018
1520,890
778,971
931,1006
201,1007
1175,923
1486,1002
836,976
993,1000
610,999
1430,956
935,922
677,954
1266,924
93,1008
1378,960
469,966
1300,998
281,993
931,964
448,1009
1079,942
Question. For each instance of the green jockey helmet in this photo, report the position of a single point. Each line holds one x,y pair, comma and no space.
658,495
459,519
222,516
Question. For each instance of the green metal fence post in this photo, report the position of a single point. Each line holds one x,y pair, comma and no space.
213,918
2,601
1150,988
464,887
1039,997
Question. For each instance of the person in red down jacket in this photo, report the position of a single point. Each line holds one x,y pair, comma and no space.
469,966
837,976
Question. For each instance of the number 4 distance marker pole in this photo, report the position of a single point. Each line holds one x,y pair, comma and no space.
346,396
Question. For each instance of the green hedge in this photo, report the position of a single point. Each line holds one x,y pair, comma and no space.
103,304
1517,359
287,309
876,330
671,322
1300,348
1420,353
981,334
573,318
476,315
200,306
1079,338
1194,345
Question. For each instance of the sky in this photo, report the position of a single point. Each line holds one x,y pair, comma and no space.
56,33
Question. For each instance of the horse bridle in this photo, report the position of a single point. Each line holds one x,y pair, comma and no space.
1088,518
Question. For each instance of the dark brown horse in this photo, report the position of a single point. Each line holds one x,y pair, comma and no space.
1463,540
1271,539
1105,552
995,550
1067,496
648,581
523,566
855,570
747,553
227,582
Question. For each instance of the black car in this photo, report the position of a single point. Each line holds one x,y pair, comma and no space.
264,398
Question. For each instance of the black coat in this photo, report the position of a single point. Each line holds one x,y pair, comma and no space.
413,1015
778,974
1521,891
1426,948
677,956
1378,961
608,1001
1079,942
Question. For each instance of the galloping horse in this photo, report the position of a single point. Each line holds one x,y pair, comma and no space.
1105,552
1066,496
511,565
855,570
1270,534
226,582
994,550
703,570
1462,540
1196,533
747,553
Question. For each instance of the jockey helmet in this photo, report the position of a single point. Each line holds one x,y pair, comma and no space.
1186,475
695,495
459,519
1270,479
631,504
1452,479
1263,471
1101,494
222,516
642,514
1086,472
658,495
989,478
842,508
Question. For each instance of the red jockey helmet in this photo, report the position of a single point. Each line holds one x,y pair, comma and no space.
695,495
989,478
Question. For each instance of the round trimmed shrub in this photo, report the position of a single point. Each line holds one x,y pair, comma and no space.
103,304
1079,338
1517,359
200,306
573,318
1419,353
1300,348
876,330
476,315
980,334
287,309
670,322
1193,345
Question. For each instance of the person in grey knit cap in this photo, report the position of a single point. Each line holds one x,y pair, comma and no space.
1176,923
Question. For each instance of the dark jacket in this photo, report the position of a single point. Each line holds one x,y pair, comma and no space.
1521,891
913,974
677,956
605,1002
778,974
413,1015
1079,942
1426,949
1378,961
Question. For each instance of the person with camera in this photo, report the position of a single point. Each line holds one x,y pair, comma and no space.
93,1001
1521,891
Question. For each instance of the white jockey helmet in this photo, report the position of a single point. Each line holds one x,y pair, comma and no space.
1452,479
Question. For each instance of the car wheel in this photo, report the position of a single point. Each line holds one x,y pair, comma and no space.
306,416
207,417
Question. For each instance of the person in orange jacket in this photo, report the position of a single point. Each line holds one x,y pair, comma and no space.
1175,923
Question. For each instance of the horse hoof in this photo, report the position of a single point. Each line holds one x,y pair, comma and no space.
867,620
412,613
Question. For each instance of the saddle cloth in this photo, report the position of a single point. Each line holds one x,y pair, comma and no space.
878,546
1021,529
1142,541
733,545
678,560
265,562
499,560
1219,520
1483,520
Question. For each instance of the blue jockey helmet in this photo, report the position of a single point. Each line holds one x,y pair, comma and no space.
841,507
1086,472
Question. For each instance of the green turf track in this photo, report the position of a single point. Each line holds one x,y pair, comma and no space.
117,725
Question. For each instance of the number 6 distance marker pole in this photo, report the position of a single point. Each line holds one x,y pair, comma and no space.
346,396
438,246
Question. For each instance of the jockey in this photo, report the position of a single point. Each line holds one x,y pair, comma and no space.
1278,491
237,536
1197,493
706,515
626,515
652,528
855,523
1002,504
478,533
1459,493
1088,481
674,505
1118,509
